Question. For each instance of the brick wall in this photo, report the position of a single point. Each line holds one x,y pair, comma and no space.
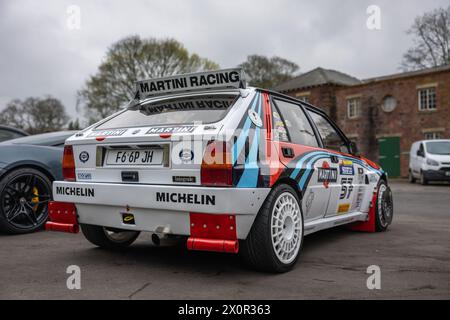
406,121
323,97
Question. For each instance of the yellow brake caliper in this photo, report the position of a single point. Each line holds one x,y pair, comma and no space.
35,198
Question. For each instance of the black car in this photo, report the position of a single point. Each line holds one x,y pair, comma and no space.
28,165
8,133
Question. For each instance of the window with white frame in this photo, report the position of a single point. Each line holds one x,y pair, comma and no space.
303,97
432,135
353,108
427,99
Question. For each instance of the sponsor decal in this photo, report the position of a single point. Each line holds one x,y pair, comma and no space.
190,198
76,191
183,179
186,155
309,201
187,104
347,162
254,116
346,189
343,208
84,176
128,218
84,156
325,174
202,80
276,115
359,198
347,170
279,124
177,129
108,133
360,171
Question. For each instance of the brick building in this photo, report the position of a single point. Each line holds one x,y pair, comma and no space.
382,115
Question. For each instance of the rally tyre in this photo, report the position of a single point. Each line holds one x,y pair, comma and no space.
24,195
108,238
411,178
384,207
276,237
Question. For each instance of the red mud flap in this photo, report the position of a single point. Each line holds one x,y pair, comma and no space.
369,225
213,232
216,245
63,217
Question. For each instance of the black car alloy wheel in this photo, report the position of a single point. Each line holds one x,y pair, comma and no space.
23,201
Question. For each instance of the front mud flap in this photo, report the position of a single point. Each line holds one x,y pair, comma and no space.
369,225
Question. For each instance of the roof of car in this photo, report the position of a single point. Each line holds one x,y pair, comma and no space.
43,139
434,140
17,130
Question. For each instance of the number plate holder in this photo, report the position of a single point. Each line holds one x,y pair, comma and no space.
134,157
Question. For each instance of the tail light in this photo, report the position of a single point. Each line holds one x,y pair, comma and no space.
68,164
216,169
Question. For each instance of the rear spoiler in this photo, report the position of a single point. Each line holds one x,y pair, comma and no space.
218,79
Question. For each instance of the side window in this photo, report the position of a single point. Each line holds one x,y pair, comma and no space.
296,122
330,137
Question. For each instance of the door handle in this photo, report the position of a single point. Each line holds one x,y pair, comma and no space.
334,159
287,152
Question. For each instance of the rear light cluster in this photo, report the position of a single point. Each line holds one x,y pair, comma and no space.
217,169
68,164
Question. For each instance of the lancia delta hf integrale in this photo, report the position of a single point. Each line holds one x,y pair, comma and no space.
231,168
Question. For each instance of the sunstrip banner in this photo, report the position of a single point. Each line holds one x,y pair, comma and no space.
228,78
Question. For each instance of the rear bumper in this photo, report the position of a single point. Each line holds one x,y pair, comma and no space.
157,207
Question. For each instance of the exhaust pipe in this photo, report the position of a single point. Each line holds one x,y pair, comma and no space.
215,245
156,239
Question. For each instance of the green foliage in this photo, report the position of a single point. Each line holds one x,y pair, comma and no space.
267,72
74,125
35,115
129,60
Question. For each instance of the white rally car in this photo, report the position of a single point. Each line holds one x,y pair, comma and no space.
230,167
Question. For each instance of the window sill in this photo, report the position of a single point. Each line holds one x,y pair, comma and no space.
428,111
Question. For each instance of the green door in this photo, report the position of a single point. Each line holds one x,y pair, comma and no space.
389,148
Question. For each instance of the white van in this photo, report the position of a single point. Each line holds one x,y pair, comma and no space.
429,160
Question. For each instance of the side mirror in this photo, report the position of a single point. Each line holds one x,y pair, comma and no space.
353,148
420,153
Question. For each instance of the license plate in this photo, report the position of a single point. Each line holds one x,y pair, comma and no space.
140,157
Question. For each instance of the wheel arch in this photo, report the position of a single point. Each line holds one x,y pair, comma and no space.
35,166
292,183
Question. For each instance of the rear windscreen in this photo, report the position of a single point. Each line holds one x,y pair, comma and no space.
184,110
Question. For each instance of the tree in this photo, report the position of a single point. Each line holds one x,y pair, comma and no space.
74,125
129,60
267,72
431,48
35,115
